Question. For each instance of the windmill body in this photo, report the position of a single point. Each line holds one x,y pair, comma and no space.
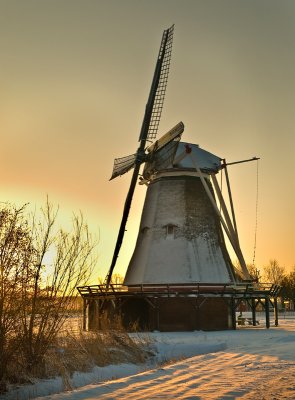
180,276
180,239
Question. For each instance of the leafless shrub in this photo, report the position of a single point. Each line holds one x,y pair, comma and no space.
273,272
34,301
16,253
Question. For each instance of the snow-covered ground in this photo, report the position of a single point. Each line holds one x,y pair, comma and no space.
249,363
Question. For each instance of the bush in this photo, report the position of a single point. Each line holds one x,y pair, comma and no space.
34,300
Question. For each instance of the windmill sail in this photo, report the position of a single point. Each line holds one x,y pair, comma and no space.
162,152
158,94
123,165
149,129
175,132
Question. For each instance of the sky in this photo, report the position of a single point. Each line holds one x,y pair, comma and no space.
75,77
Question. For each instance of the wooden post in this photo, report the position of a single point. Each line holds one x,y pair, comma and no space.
233,313
275,303
253,308
157,315
267,312
84,314
196,314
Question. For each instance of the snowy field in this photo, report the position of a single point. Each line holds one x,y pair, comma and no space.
249,363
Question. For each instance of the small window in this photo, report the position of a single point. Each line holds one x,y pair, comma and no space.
170,231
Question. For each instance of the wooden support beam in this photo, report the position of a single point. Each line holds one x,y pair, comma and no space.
233,313
230,198
157,315
84,314
232,240
232,229
224,209
253,308
276,311
267,321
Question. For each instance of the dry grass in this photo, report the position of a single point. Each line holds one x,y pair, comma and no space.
76,350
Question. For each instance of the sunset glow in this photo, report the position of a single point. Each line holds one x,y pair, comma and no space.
73,87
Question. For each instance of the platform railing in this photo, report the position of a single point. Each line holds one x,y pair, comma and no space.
250,288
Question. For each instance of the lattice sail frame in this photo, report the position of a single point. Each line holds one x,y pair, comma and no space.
123,165
165,52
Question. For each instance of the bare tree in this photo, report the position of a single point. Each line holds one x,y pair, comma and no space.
47,300
288,289
273,272
15,255
34,299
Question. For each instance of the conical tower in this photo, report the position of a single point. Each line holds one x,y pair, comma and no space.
180,239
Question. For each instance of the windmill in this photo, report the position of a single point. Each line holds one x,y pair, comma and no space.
161,153
180,276
180,239
148,132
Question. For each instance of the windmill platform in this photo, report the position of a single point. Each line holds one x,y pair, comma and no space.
183,307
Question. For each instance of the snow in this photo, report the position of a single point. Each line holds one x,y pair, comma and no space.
249,363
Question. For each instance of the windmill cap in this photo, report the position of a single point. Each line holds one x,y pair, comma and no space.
204,159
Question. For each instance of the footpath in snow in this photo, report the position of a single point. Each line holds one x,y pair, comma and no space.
249,363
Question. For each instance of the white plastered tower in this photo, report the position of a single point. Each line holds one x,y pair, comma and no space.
180,239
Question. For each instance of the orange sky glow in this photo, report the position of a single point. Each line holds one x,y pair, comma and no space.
75,77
